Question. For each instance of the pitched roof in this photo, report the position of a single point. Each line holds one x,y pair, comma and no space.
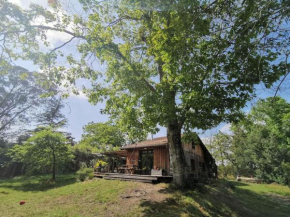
160,141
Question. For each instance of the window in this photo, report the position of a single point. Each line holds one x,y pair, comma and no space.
203,166
192,165
193,144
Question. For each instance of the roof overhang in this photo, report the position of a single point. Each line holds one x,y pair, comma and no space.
121,153
143,146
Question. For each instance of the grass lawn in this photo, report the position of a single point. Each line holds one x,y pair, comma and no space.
97,197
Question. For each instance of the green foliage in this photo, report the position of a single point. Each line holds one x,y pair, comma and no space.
83,154
91,175
52,114
84,173
286,170
46,151
220,148
261,142
102,137
21,98
100,163
191,62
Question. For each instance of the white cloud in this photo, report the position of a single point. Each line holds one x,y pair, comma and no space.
68,90
226,129
25,3
81,95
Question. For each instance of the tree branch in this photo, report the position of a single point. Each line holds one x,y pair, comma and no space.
137,73
120,19
47,28
18,113
287,69
59,30
56,48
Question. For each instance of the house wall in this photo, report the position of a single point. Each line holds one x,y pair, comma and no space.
162,159
132,157
195,155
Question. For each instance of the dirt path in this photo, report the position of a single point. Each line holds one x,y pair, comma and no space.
132,198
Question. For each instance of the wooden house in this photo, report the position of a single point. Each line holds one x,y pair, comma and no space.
153,155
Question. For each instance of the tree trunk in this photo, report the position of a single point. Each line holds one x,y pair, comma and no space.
179,167
53,166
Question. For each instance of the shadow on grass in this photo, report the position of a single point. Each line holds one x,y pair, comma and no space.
37,183
169,207
213,200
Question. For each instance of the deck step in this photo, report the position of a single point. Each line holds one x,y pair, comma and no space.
124,179
133,177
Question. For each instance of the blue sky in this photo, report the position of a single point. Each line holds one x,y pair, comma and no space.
80,112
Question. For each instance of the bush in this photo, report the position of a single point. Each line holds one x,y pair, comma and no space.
91,176
84,173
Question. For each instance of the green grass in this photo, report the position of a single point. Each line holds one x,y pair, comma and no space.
67,197
224,198
64,198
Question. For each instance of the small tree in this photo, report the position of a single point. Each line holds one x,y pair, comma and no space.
221,150
45,151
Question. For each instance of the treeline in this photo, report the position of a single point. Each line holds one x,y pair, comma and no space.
31,119
259,145
47,150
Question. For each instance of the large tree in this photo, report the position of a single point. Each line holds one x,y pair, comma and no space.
28,98
261,144
178,64
51,114
20,97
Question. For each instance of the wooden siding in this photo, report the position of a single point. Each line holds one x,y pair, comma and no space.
132,157
197,155
161,158
188,148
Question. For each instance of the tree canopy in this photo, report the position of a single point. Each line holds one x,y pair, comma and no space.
261,142
52,115
102,137
22,97
221,149
45,151
178,64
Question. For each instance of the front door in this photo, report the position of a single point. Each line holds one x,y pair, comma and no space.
146,161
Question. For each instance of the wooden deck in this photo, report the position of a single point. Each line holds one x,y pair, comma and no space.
250,180
134,177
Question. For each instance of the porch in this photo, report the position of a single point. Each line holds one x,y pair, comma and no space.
137,164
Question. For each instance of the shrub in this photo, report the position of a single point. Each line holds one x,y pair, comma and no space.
84,173
91,176
100,163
